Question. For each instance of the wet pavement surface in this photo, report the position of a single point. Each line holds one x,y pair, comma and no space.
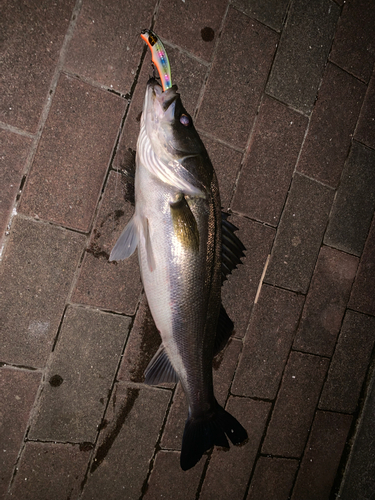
283,95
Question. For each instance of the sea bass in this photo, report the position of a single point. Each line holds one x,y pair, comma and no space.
186,247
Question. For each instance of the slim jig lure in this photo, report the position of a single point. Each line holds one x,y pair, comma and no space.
159,57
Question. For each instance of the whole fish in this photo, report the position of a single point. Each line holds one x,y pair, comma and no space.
186,247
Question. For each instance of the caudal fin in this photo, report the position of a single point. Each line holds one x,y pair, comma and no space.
203,433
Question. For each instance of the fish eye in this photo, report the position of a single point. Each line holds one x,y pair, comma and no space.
185,120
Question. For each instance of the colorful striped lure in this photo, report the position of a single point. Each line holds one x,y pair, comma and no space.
159,57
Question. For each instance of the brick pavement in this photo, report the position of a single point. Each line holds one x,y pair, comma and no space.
283,95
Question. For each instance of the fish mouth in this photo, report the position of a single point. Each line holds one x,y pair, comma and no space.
164,98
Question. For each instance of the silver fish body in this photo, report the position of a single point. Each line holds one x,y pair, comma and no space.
177,226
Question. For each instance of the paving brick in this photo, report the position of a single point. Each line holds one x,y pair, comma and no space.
245,50
322,456
80,376
73,154
240,289
331,126
267,343
126,443
35,273
326,302
349,363
18,389
106,46
362,298
295,405
32,35
266,174
272,13
114,286
192,25
175,424
184,485
365,131
302,54
50,470
272,476
354,47
14,152
354,203
300,234
238,462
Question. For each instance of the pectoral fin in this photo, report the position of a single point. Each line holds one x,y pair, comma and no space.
184,224
148,245
127,242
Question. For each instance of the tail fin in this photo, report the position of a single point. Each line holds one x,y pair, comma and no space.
203,433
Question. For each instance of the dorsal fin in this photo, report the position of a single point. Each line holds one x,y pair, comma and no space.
223,331
232,248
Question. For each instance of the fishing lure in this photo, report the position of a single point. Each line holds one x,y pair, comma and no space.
159,57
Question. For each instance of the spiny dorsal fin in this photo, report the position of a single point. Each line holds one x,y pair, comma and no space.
232,249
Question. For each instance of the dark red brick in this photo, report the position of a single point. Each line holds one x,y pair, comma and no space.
267,343
80,376
245,50
73,155
331,126
322,456
50,470
365,131
326,302
272,477
126,443
349,363
184,485
32,35
299,234
362,298
182,23
18,389
175,424
106,45
239,291
228,473
295,405
114,286
266,175
35,274
272,13
14,152
354,204
354,46
302,54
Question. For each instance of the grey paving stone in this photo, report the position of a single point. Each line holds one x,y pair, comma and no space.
326,302
106,44
267,171
354,205
32,35
18,389
239,291
295,405
68,171
362,298
36,274
270,12
354,47
113,286
169,481
302,54
349,363
126,443
192,25
244,56
228,473
267,343
14,152
299,234
80,376
272,476
322,456
50,470
331,126
365,131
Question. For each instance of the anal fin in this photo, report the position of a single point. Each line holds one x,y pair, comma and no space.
160,369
